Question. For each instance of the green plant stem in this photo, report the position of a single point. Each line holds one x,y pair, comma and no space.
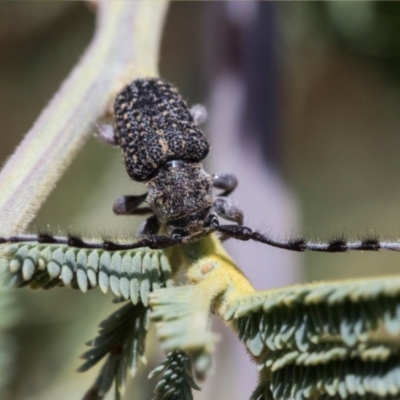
125,46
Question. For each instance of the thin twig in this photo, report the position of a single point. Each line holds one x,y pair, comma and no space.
125,46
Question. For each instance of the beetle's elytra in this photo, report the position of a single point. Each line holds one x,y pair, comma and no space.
153,125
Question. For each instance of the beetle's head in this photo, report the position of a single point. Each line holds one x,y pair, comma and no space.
192,224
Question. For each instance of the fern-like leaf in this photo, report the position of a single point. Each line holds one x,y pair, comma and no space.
121,337
301,316
177,380
320,341
182,323
130,274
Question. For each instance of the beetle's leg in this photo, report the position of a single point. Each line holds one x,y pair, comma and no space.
226,182
128,205
225,209
199,114
105,133
149,226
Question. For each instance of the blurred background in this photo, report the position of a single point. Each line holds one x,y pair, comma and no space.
303,102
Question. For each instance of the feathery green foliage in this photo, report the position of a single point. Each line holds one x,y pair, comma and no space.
322,339
122,337
348,379
177,380
316,341
300,316
130,274
182,323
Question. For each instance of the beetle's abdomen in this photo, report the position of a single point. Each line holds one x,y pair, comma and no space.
154,125
179,189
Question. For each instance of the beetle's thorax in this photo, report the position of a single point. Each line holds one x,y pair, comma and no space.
178,190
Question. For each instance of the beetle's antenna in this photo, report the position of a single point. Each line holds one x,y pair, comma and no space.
153,241
335,246
339,245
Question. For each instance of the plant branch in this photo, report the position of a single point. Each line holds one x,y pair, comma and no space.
125,46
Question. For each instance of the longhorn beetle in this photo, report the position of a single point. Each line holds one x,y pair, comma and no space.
163,147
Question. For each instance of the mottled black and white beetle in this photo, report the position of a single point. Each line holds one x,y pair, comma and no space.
163,147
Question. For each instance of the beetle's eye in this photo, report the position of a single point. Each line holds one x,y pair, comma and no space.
178,233
212,221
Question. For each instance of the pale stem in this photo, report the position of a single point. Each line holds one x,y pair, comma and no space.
125,46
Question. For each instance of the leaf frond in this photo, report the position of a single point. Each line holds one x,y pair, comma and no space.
352,378
122,337
176,382
182,323
324,353
301,316
130,274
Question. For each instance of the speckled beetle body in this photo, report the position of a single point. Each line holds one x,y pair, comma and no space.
179,189
153,125
163,147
